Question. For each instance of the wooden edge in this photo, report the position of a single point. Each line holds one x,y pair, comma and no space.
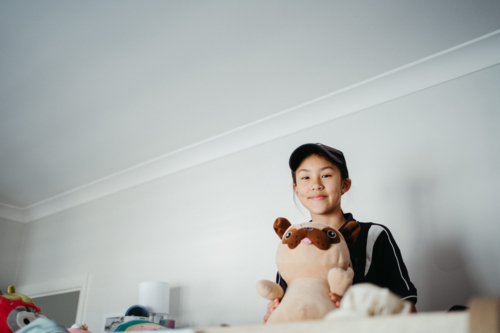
457,322
484,315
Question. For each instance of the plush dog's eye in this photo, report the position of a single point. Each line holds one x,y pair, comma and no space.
308,228
22,316
288,234
331,234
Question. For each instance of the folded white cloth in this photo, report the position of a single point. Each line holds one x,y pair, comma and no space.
366,300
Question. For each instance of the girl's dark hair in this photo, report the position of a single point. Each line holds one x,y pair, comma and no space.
343,173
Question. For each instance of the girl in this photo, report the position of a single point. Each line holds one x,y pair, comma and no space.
320,178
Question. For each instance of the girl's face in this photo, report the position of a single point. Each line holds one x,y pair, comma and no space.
319,185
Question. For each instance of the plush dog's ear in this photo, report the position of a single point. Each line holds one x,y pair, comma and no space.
280,226
351,232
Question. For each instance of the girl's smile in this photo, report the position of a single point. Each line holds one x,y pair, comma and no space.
319,197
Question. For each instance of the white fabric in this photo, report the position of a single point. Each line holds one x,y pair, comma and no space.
366,300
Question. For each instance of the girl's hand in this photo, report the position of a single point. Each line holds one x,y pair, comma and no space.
335,299
271,307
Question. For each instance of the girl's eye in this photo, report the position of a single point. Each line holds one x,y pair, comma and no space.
306,177
288,234
331,234
325,176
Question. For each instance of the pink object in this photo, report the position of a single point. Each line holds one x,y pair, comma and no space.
77,329
168,323
306,241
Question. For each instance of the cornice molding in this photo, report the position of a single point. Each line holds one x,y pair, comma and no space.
12,213
461,60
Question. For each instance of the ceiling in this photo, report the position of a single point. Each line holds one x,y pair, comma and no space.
88,89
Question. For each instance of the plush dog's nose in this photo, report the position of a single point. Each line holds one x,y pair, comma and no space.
306,241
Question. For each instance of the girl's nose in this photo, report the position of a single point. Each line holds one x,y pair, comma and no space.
317,187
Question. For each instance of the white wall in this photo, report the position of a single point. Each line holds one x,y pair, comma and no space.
11,237
425,165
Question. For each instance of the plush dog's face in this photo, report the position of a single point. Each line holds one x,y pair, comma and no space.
310,250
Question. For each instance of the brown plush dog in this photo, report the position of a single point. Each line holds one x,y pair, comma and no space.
314,260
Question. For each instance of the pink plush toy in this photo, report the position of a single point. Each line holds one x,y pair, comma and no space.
314,260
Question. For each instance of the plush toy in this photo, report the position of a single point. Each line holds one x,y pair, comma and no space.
43,325
314,260
17,311
368,300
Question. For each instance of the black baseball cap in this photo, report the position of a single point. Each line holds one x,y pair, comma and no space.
334,155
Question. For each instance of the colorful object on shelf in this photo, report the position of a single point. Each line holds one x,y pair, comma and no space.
139,325
17,311
139,311
168,323
137,319
313,259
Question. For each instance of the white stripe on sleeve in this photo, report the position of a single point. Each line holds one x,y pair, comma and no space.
373,234
372,238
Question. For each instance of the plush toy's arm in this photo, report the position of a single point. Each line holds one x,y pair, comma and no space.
339,280
269,290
